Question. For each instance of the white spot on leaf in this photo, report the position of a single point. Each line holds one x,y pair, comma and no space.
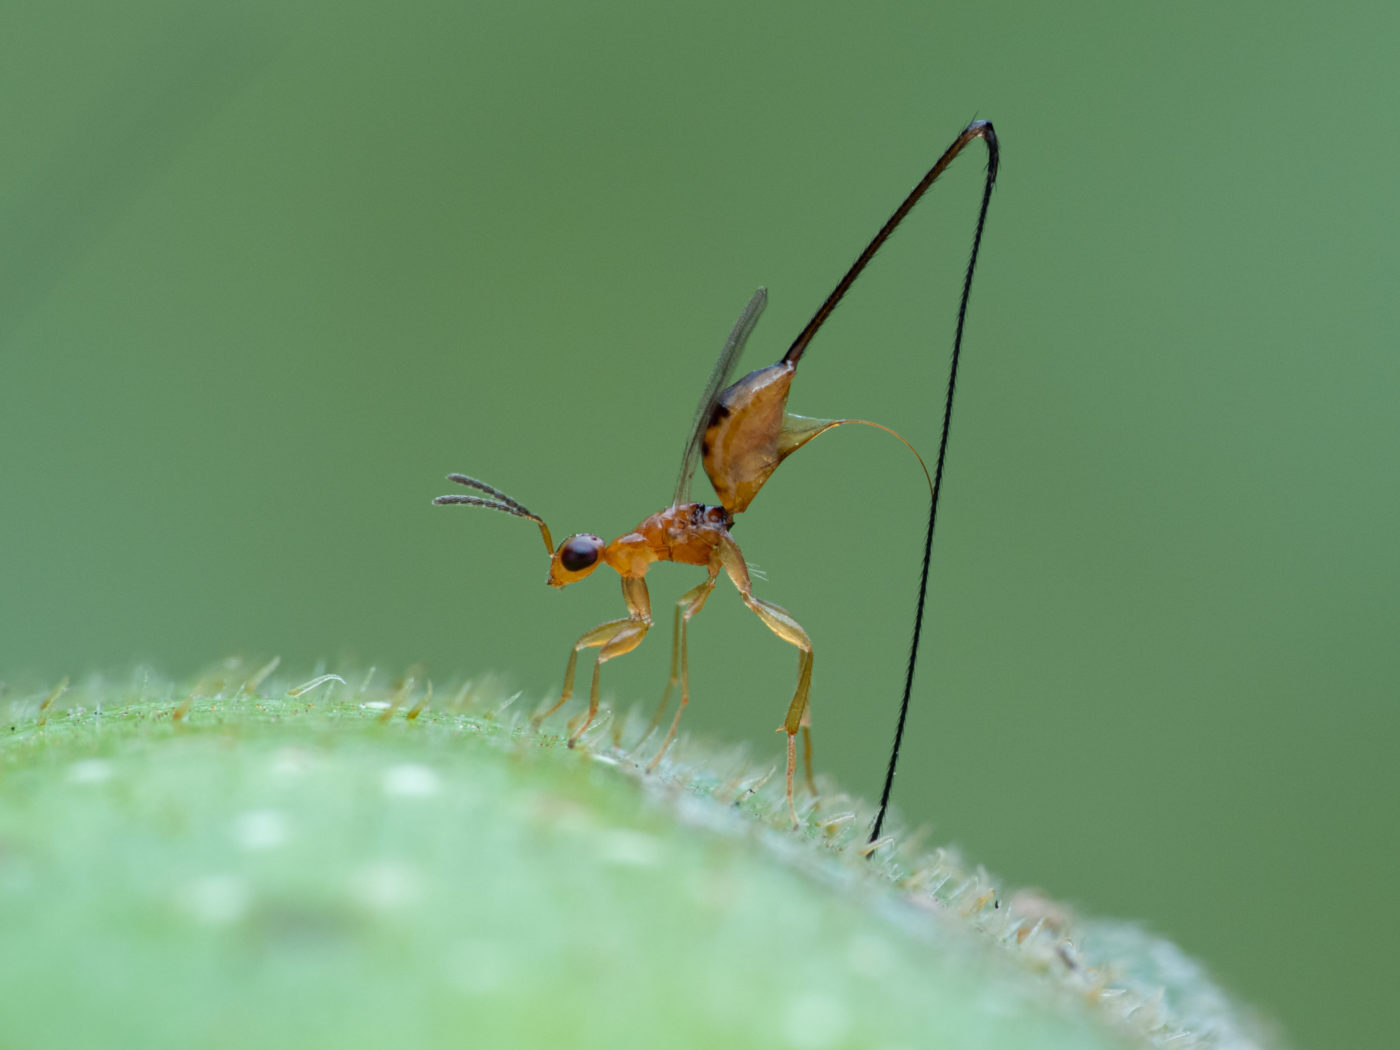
216,899
384,885
90,771
411,781
812,1021
260,829
631,848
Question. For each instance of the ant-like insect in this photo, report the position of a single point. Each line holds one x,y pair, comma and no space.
741,433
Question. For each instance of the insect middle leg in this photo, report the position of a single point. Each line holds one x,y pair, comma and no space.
612,639
690,603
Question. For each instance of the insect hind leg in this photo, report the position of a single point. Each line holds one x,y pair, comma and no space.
780,622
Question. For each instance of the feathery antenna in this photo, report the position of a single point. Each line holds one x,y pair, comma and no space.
500,502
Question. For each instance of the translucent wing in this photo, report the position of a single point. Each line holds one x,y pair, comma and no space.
719,379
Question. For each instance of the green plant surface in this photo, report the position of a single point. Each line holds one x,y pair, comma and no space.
228,865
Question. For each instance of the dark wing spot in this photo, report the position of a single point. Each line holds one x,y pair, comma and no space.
705,449
720,413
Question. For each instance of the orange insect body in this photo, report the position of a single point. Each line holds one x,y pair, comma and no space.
741,433
687,533
750,432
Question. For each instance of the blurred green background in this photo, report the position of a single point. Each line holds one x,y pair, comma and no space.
267,272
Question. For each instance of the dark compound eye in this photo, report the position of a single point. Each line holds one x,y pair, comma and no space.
579,552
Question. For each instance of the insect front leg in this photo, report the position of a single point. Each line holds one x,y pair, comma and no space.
612,639
781,623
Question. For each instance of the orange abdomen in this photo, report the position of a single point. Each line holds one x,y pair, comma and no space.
741,446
